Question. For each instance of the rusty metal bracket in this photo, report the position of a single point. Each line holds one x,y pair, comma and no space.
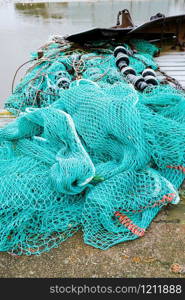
126,19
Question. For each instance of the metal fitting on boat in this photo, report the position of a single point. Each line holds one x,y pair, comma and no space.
128,70
63,83
151,80
40,54
148,72
122,58
121,49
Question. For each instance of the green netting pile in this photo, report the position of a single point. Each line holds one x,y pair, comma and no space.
90,153
44,80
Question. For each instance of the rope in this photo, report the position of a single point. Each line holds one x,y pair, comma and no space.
29,61
171,79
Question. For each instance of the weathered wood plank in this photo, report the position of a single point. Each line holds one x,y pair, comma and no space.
4,112
175,72
171,55
173,68
171,60
5,117
177,53
173,64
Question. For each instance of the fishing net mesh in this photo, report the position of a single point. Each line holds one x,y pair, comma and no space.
88,151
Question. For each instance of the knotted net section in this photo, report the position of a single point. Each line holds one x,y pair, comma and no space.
88,151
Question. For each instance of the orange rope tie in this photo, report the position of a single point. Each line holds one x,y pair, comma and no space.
168,198
127,222
179,168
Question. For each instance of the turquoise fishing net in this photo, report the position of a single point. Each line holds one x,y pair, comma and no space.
96,155
40,86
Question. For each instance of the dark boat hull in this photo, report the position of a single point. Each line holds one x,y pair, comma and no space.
98,34
157,28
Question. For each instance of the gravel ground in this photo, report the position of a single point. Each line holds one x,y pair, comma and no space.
150,256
